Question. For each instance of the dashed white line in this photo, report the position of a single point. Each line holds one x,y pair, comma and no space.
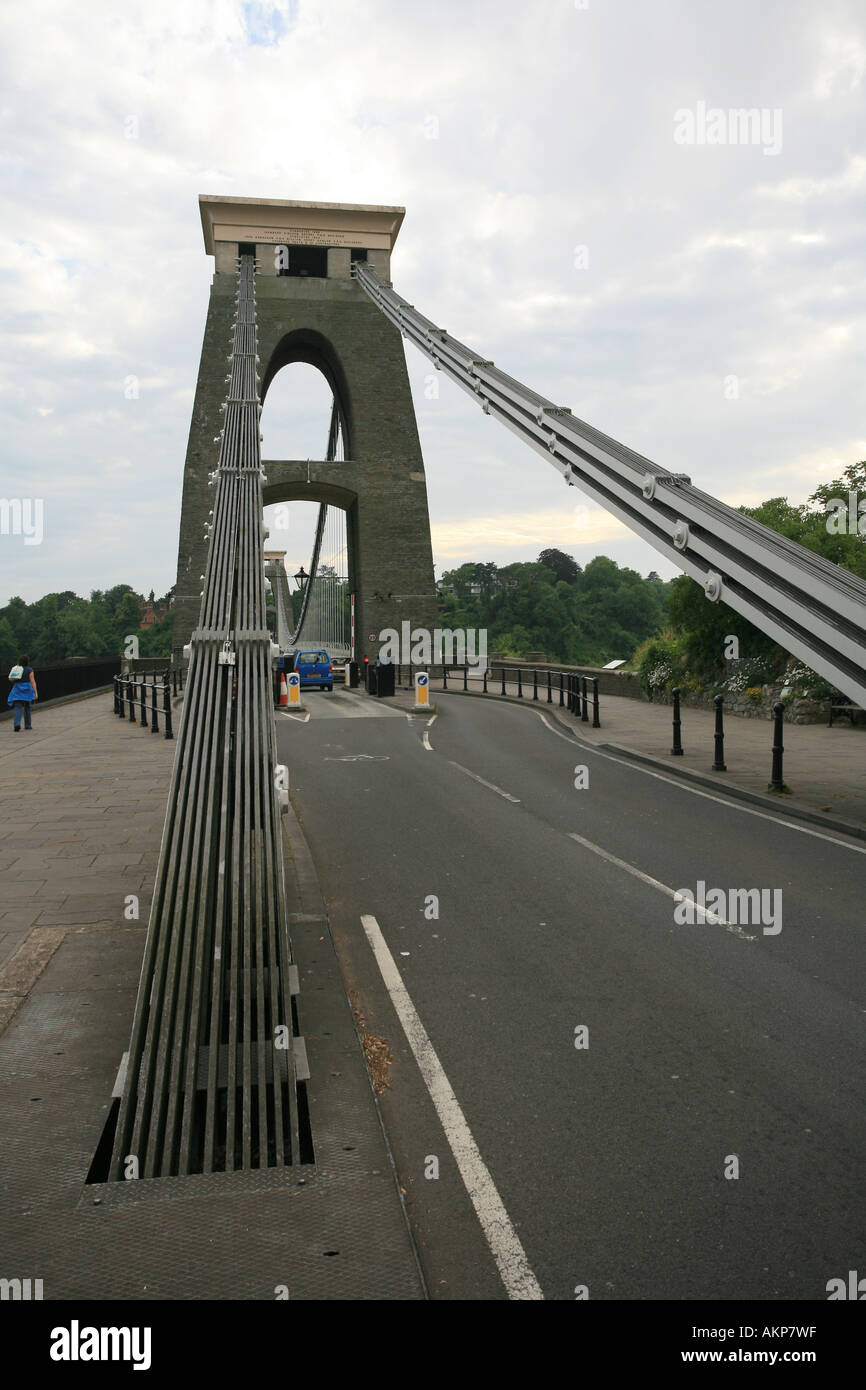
491,786
505,1246
696,791
662,887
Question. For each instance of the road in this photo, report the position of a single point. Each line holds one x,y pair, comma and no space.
663,1110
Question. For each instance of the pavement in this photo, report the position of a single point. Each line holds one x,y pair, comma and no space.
84,799
824,768
553,910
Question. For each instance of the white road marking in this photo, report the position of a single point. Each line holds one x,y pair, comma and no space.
425,739
696,791
298,718
491,786
505,1246
662,887
432,719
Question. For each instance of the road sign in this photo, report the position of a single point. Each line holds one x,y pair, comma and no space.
294,688
422,690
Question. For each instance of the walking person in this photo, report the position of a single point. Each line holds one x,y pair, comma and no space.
23,692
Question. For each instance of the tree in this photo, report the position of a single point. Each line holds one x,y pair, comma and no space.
9,652
565,567
702,627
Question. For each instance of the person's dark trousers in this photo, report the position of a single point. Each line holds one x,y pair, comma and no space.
17,707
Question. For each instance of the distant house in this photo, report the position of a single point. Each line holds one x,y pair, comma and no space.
152,613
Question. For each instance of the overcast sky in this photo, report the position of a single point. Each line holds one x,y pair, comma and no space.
702,302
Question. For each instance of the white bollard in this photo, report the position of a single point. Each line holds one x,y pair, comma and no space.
422,690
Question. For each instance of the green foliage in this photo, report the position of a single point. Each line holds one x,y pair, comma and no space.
9,652
565,567
578,617
801,682
702,628
61,626
659,663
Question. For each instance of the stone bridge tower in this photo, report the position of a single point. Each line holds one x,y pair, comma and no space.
309,309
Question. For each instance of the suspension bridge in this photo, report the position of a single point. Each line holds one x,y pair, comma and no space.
216,976
552,904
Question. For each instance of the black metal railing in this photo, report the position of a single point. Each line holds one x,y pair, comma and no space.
146,698
577,694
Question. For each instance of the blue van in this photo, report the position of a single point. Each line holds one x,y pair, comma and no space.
315,670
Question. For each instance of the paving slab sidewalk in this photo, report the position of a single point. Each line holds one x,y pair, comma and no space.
82,802
83,813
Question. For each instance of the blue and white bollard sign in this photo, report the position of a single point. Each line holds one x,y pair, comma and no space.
422,690
294,688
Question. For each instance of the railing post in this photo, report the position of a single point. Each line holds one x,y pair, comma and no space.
573,697
677,749
166,706
561,692
583,699
154,721
485,680
596,722
131,695
502,673
777,781
143,719
115,694
466,676
534,684
719,763
519,683
549,688
444,676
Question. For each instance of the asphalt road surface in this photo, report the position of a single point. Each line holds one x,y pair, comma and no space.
618,1105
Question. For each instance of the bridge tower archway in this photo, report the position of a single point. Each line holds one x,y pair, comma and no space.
330,323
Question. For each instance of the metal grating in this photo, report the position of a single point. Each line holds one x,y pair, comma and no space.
210,1084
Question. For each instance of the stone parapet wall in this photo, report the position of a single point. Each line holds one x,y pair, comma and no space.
797,711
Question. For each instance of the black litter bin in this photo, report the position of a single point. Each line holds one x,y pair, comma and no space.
353,675
370,678
384,678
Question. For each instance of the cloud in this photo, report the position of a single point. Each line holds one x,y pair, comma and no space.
511,143
576,527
